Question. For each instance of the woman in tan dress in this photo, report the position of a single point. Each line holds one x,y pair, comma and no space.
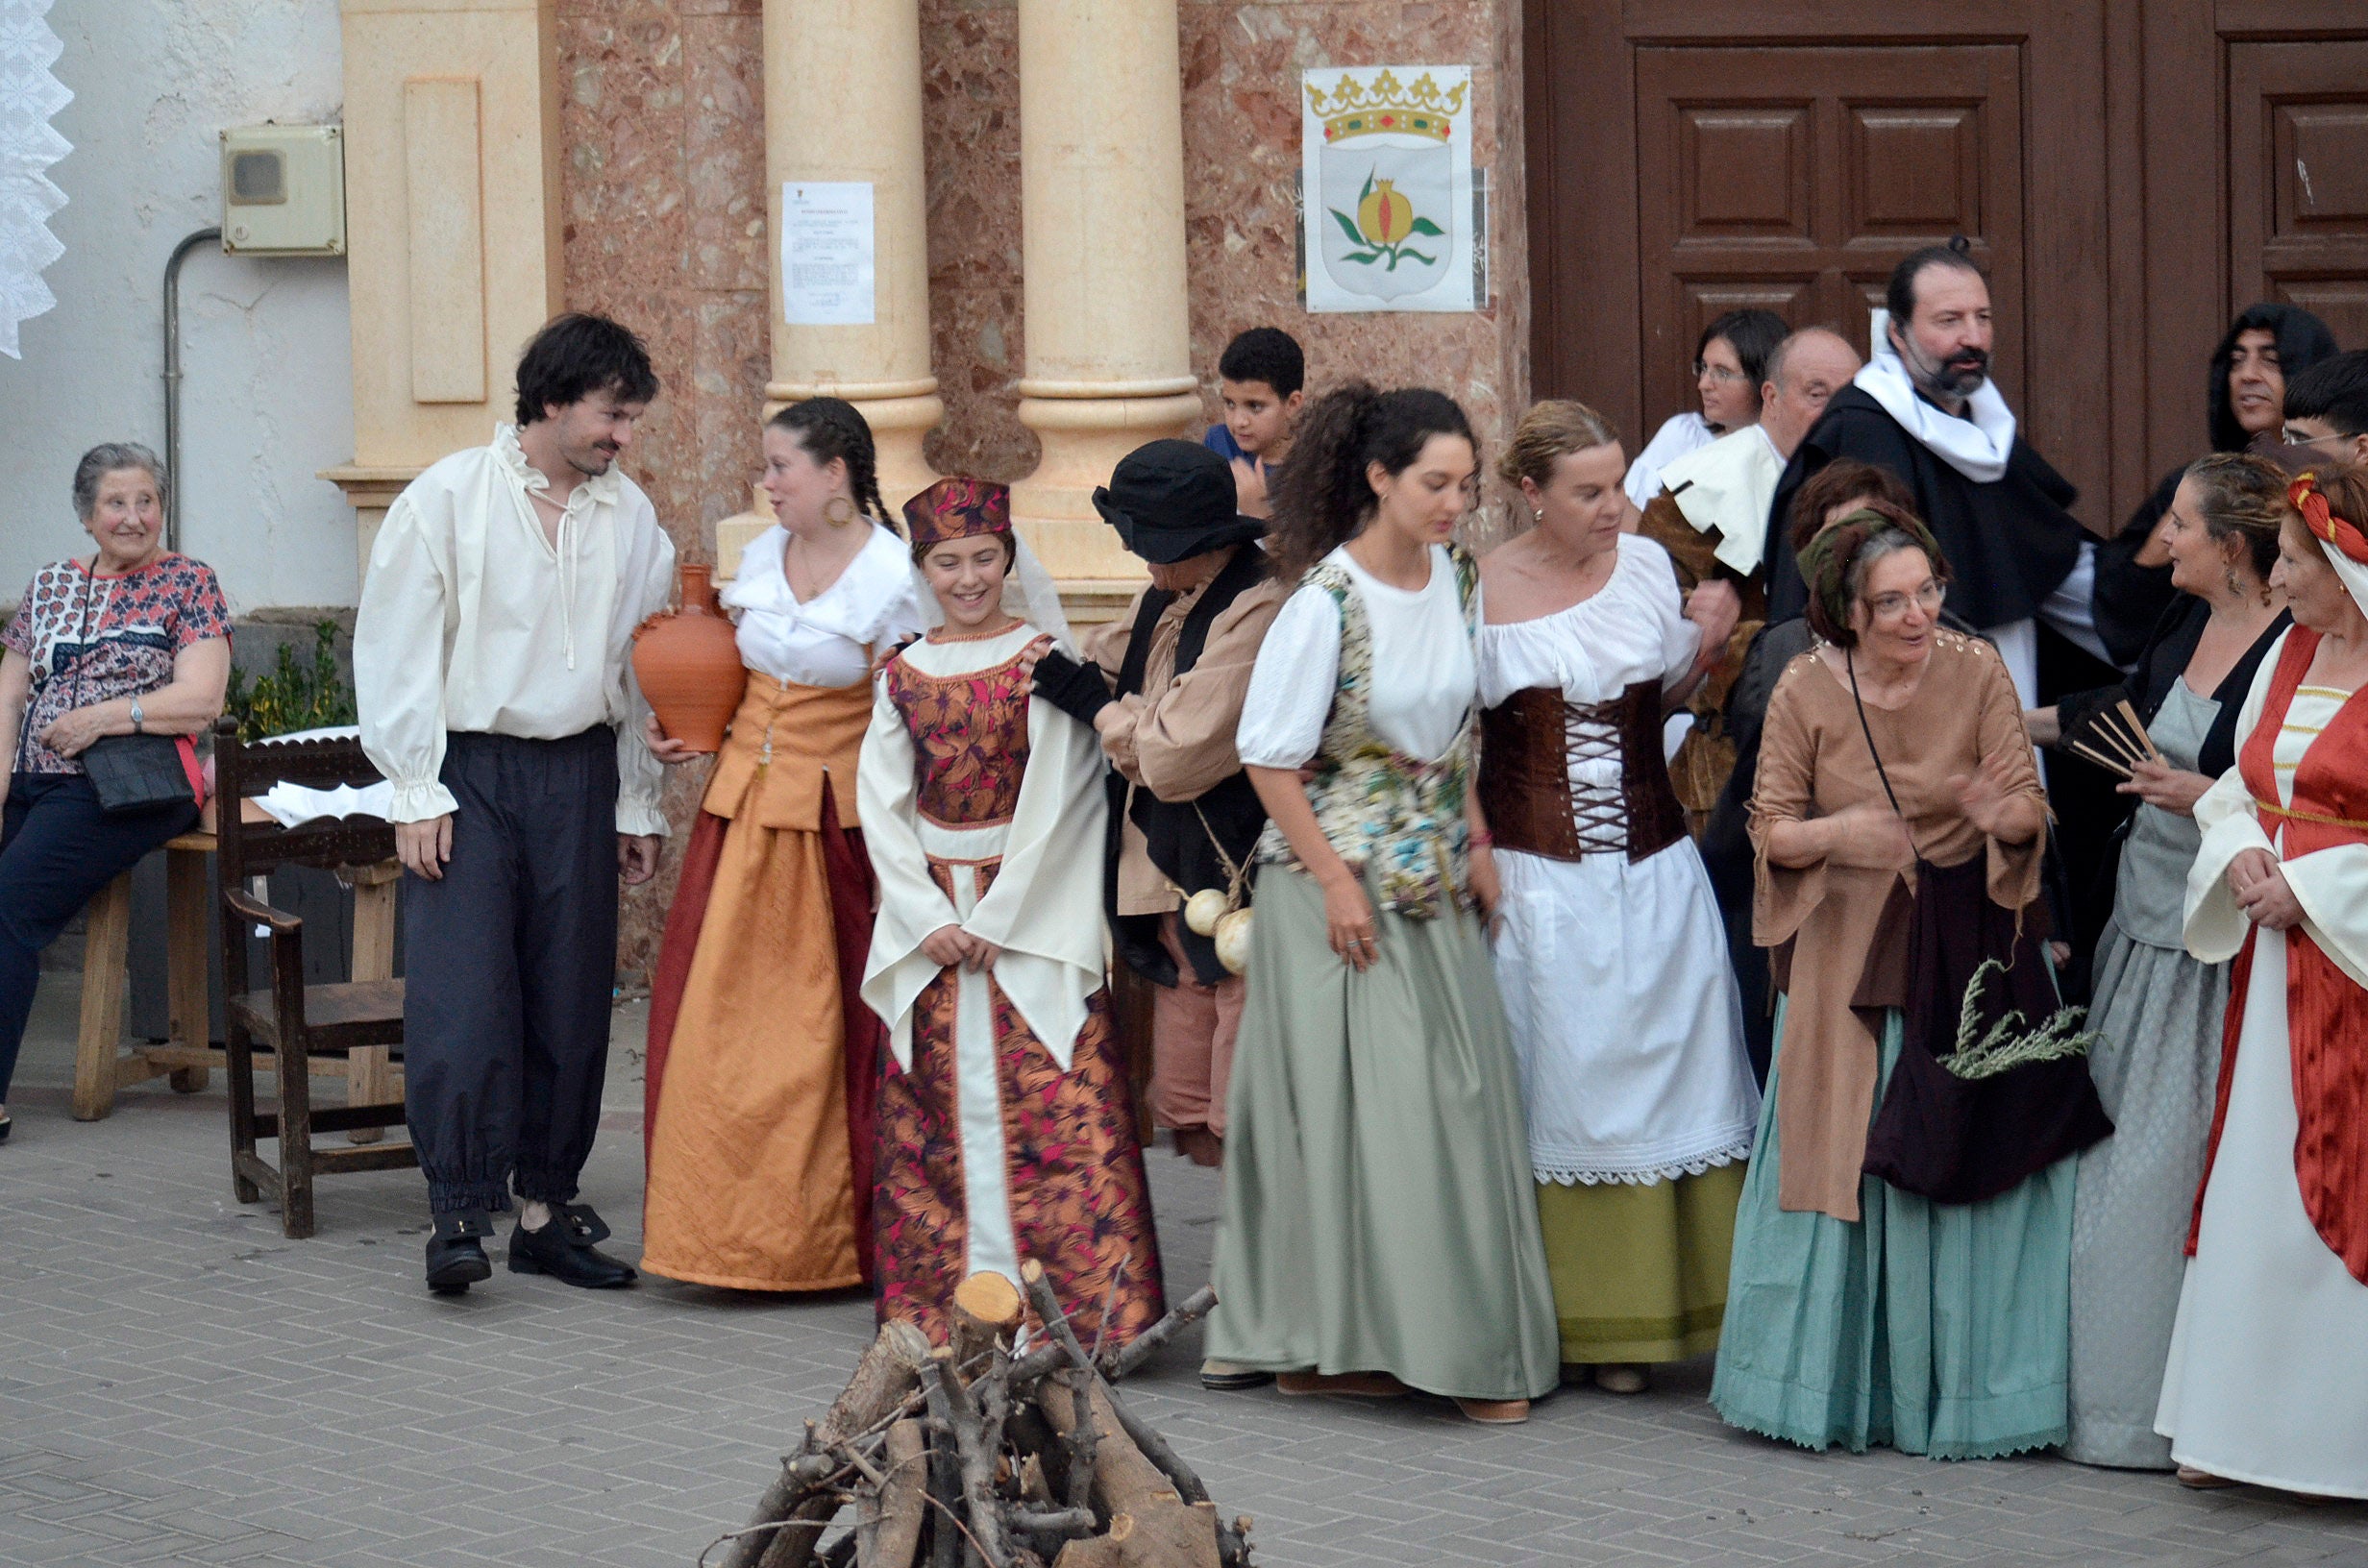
763,1064
1901,1262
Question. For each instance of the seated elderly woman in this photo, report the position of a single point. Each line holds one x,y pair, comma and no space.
131,640
1902,1250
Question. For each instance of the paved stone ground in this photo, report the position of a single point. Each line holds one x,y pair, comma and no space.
180,1383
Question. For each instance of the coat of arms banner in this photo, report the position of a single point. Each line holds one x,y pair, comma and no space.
1386,166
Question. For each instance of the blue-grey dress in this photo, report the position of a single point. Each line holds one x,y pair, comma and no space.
2157,1066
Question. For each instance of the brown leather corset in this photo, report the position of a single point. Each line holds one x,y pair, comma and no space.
1527,743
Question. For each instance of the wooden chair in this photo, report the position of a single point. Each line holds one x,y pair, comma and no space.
297,1022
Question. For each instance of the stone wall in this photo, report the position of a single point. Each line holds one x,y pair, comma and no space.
1241,66
665,229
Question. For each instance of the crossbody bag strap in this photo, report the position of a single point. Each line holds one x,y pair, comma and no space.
1881,773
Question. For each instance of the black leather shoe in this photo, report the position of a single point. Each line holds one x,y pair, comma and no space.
456,1252
563,1250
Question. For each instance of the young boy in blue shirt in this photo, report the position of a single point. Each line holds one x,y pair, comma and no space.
1260,375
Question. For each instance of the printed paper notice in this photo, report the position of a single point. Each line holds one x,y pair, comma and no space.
827,253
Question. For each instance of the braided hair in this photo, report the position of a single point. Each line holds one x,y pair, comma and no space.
1836,559
830,427
1326,499
2242,496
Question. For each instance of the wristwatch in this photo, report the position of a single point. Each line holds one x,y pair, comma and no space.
138,718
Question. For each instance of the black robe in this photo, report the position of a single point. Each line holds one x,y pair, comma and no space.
2010,543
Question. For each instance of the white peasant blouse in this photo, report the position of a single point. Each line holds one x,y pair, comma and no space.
1424,673
829,640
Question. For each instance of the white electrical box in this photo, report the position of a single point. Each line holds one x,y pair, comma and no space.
284,190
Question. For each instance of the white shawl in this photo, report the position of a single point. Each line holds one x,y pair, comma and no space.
1730,485
2332,884
1976,445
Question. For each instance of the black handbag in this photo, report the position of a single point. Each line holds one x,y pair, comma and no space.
136,772
141,772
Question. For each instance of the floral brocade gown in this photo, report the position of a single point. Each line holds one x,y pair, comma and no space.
1007,1123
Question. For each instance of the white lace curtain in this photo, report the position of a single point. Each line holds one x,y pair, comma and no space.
29,144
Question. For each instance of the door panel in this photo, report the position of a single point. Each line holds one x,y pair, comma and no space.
2298,179
1804,173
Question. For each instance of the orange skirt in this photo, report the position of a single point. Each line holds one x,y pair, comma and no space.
759,1131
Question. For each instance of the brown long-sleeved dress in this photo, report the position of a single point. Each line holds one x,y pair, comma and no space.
1836,946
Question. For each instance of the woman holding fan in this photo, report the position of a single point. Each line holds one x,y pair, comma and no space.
2170,730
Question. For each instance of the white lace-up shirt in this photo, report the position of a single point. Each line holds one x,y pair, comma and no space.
472,619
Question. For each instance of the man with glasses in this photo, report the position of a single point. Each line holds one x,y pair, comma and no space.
2326,410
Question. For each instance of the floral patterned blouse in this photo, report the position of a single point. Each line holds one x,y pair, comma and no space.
91,638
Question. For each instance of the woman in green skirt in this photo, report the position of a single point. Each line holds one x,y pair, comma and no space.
1380,1231
1902,1252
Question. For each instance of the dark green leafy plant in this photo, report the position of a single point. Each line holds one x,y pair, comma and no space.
296,694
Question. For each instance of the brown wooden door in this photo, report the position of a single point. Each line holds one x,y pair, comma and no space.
1688,156
1794,178
2298,179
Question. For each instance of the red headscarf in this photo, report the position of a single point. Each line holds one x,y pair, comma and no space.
2323,524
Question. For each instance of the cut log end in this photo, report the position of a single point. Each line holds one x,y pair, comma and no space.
990,1298
986,1312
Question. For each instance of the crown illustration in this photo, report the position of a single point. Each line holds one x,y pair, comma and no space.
1387,105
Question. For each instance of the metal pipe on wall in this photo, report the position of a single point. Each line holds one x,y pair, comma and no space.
172,382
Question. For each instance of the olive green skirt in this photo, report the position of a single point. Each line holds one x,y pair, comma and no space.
1379,1212
1641,1271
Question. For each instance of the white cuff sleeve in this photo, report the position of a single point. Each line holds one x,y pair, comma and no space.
416,799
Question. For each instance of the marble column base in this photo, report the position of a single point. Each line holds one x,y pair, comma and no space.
1083,440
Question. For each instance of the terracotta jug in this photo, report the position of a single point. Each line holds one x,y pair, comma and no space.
688,663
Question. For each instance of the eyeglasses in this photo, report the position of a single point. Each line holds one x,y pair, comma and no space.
1720,374
2291,436
1891,606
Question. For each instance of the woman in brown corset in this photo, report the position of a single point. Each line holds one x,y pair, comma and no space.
1609,954
1902,1252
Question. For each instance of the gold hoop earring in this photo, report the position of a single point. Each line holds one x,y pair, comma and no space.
838,511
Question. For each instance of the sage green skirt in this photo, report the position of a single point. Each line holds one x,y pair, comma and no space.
1939,1329
1379,1212
1639,1271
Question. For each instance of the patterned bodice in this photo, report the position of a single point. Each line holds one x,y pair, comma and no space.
969,739
1401,817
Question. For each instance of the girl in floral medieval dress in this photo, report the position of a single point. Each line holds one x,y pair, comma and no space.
1006,1127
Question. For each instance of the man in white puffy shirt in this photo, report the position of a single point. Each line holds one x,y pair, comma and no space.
492,664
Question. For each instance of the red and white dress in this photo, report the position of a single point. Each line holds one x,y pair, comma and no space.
1006,1126
2267,1380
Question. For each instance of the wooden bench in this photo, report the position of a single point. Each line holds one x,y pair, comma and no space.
102,1064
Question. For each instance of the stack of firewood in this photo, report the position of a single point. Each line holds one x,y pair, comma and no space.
988,1452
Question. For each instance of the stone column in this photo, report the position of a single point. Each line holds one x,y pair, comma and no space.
842,102
452,171
1101,160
